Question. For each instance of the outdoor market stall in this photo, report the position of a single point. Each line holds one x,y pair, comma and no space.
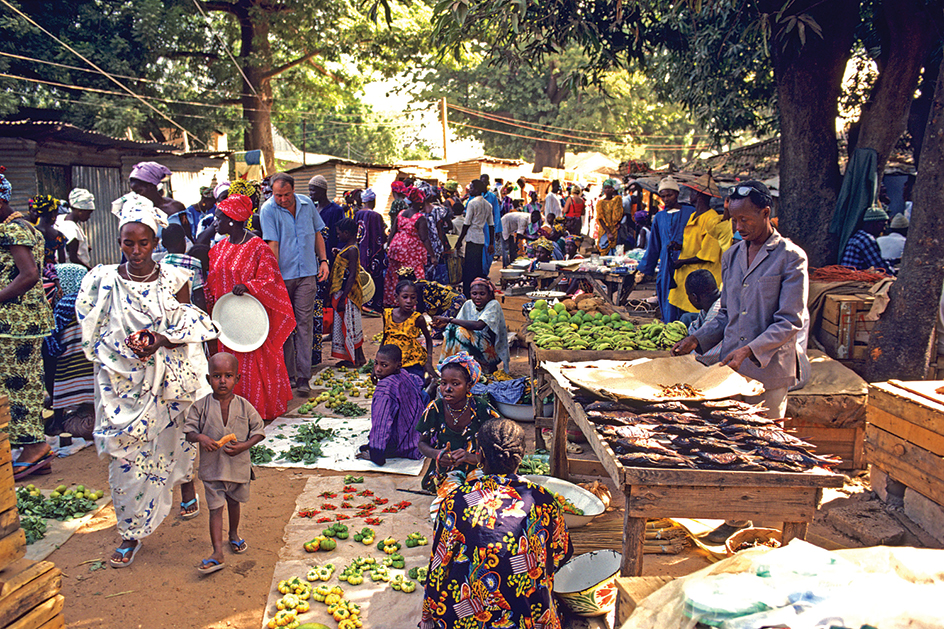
692,490
612,278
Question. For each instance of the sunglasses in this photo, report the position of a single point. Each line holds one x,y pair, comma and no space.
759,198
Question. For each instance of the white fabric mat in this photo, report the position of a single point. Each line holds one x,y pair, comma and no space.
339,452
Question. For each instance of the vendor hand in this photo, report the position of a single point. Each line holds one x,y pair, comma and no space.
686,346
465,457
440,321
240,289
738,356
446,458
209,445
233,448
362,455
159,341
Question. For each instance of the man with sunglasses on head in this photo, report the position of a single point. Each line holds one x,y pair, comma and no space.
763,317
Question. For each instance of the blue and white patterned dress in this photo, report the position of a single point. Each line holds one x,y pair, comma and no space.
140,406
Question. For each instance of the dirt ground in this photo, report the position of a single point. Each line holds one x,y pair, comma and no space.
163,589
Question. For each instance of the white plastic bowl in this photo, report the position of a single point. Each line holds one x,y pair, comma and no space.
587,583
521,412
578,496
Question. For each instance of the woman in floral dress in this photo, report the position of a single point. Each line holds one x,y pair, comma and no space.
499,542
409,244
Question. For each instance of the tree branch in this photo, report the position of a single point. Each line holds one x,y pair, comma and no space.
185,54
225,7
291,64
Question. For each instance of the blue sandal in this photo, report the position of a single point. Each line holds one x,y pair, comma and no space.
187,505
209,566
124,553
239,546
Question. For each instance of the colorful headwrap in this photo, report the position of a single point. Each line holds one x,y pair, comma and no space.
559,220
571,240
133,208
640,217
242,186
81,199
368,196
404,271
399,187
44,205
70,277
465,361
236,206
483,281
350,194
451,185
543,243
220,189
6,190
415,195
206,191
613,183
426,189
151,172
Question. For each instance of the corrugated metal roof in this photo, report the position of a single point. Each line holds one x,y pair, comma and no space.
41,130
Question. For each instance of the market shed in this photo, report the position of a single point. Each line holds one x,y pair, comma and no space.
342,175
53,158
495,167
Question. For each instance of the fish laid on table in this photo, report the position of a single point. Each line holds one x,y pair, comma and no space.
731,405
607,406
675,418
792,456
639,459
666,407
625,432
726,417
688,444
625,446
615,418
728,460
692,430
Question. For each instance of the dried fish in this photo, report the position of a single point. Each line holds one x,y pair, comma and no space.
625,432
681,389
667,407
728,460
638,459
624,446
614,418
792,456
702,445
730,405
606,406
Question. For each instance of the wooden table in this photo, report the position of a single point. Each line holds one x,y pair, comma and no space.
605,284
657,493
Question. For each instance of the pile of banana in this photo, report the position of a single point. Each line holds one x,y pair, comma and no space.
555,328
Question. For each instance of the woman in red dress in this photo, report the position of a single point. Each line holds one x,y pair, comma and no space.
244,263
409,244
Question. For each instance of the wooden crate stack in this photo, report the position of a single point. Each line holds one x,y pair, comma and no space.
844,331
29,590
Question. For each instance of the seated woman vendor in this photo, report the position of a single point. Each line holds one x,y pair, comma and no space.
479,329
541,250
398,402
449,425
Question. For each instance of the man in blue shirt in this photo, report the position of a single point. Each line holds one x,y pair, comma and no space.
492,198
330,213
291,226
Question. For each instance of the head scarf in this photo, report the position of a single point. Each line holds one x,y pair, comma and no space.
81,199
404,271
425,188
6,190
220,189
640,216
399,187
241,186
151,172
544,243
70,277
468,363
668,184
368,196
483,281
899,222
451,185
206,191
613,183
570,240
44,205
133,208
318,181
415,195
236,206
875,214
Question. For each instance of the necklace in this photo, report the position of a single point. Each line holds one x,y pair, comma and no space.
140,278
453,415
12,217
246,236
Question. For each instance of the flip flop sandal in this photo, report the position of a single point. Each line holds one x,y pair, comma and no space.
40,467
187,505
239,546
209,566
124,553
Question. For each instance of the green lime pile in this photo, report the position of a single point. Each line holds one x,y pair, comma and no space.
554,328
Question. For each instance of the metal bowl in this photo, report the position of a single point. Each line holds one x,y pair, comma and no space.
591,505
587,583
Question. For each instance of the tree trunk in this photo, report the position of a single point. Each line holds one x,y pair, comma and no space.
809,82
901,341
548,155
921,110
255,58
909,35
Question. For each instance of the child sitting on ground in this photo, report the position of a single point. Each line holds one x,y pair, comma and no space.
402,327
399,400
225,467
347,334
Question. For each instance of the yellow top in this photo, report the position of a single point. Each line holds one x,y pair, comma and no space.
404,335
609,215
339,275
700,242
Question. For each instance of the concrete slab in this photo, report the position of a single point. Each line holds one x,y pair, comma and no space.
868,522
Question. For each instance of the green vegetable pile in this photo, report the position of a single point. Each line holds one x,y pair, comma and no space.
349,409
62,504
310,436
260,454
34,527
532,464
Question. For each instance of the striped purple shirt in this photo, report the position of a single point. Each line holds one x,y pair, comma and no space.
398,403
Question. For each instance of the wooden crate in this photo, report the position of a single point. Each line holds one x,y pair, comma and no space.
630,592
844,331
29,594
12,538
904,436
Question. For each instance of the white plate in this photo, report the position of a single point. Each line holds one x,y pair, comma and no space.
585,500
242,320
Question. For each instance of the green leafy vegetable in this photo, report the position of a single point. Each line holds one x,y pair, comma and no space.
260,454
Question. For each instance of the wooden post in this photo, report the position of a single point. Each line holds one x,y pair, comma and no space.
560,466
634,535
445,126
793,530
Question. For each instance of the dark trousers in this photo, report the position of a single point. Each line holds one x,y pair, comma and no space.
472,266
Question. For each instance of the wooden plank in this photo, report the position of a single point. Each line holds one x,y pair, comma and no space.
602,449
634,536
22,572
793,530
905,462
630,592
925,413
586,467
57,622
558,459
12,547
794,504
716,478
904,428
23,599
41,615
858,460
6,456
9,522
833,306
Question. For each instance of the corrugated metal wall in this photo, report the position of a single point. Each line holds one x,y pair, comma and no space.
349,178
19,158
106,184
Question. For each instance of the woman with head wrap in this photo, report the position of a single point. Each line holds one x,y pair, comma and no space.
43,210
73,378
146,341
609,213
449,425
243,263
409,243
479,329
399,190
25,318
145,179
499,541
81,206
371,237
641,218
434,298
437,219
251,189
